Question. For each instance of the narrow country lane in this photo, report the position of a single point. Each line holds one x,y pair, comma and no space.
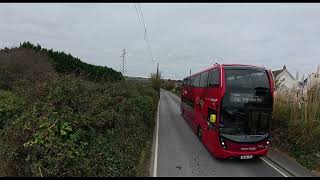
180,153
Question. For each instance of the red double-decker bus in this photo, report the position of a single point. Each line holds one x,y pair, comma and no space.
229,107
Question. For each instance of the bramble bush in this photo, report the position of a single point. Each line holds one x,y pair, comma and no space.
76,127
80,129
10,107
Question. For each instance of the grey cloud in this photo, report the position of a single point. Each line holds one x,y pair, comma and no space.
182,36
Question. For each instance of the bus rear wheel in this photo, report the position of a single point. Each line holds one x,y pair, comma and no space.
199,133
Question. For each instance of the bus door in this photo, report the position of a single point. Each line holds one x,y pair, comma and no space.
211,101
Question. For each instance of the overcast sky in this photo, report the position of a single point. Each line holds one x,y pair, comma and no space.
182,36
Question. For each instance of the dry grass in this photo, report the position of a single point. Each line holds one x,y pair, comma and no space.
296,123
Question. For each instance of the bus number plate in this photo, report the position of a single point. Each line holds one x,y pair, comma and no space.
246,157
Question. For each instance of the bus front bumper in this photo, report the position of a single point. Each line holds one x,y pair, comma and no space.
224,153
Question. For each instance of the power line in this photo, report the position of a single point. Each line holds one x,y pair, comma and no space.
143,23
144,28
146,33
140,23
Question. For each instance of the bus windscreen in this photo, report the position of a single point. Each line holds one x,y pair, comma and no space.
247,104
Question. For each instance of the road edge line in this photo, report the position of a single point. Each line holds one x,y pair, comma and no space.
155,162
278,170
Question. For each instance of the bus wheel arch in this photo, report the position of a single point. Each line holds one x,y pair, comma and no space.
199,132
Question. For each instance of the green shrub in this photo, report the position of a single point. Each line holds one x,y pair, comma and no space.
67,64
10,106
81,128
155,81
145,107
78,122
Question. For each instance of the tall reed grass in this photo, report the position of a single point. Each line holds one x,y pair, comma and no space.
296,122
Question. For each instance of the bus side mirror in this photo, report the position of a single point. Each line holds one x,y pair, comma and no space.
212,121
212,118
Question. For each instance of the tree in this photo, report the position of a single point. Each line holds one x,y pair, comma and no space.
155,81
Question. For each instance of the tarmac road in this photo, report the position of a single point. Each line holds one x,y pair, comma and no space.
180,153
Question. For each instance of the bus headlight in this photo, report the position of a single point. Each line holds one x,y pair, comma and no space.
223,144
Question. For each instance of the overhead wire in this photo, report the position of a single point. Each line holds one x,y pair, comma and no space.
144,29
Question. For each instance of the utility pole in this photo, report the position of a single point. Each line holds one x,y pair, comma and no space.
157,70
190,72
123,56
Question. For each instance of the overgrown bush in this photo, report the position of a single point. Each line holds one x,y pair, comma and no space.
168,85
66,63
72,127
25,72
10,107
80,129
155,80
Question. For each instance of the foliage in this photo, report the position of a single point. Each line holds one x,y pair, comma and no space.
73,126
168,84
66,63
296,125
80,129
155,80
10,106
25,72
177,91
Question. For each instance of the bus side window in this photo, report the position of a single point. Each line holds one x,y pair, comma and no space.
184,82
204,79
213,80
192,81
196,81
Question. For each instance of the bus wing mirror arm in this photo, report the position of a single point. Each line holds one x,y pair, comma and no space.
212,125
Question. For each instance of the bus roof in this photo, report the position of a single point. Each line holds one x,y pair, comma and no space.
224,65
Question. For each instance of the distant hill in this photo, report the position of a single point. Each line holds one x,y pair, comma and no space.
137,79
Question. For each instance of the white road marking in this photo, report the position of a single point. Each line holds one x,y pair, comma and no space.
156,146
274,167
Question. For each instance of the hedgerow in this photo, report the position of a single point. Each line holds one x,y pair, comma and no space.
66,63
75,127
